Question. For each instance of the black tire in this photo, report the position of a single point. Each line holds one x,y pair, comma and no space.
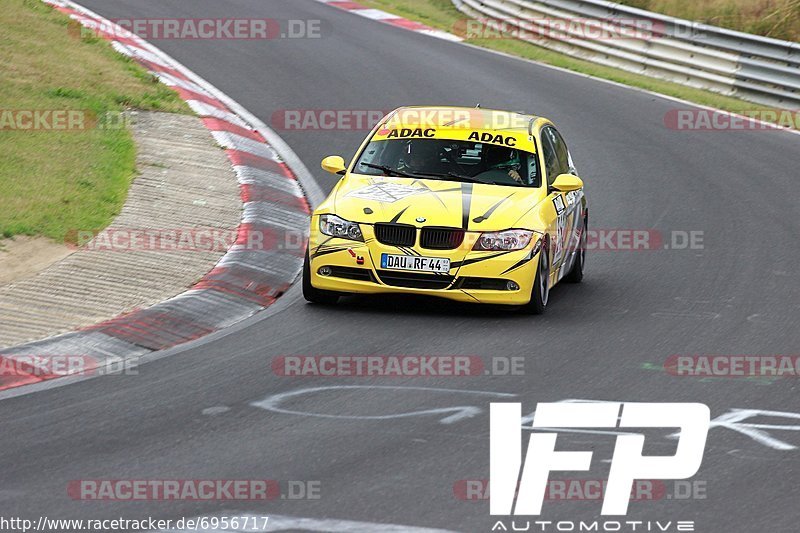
313,295
575,274
540,293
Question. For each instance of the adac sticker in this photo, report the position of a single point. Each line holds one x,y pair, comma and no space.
410,133
505,140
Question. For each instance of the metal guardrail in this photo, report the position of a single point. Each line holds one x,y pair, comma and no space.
751,67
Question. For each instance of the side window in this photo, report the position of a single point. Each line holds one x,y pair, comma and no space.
559,147
561,152
551,164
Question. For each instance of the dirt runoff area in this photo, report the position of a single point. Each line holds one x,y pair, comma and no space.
22,257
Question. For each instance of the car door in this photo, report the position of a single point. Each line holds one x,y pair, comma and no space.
567,206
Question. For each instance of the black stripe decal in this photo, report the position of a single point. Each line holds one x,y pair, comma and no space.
466,203
406,250
491,210
471,296
519,263
323,243
398,215
328,251
476,260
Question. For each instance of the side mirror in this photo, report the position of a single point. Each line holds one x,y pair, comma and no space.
334,164
567,182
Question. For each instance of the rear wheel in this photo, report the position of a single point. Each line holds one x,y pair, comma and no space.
313,295
575,274
541,286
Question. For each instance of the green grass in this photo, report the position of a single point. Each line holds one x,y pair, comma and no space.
55,182
779,19
442,15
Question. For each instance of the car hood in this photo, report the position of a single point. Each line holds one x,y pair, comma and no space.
432,202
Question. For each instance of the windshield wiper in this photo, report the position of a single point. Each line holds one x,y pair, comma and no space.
389,171
459,177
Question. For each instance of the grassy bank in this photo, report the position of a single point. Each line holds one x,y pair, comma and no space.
53,181
441,14
779,19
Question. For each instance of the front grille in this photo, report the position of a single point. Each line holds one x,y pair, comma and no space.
360,274
396,234
441,238
413,280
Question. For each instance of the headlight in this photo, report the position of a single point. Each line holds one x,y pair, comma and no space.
512,239
334,226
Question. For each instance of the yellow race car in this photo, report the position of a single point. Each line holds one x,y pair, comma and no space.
473,205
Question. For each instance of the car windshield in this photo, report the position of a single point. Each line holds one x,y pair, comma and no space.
449,160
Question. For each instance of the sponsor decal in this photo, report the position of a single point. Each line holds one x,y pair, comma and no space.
573,196
385,192
492,139
558,203
407,133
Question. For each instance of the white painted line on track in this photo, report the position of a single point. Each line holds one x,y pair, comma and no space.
454,414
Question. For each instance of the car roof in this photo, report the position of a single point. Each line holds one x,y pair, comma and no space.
445,118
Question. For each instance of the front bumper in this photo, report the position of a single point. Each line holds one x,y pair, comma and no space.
478,277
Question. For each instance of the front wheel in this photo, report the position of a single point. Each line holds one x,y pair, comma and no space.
541,286
575,274
313,295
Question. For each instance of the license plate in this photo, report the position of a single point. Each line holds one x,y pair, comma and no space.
440,265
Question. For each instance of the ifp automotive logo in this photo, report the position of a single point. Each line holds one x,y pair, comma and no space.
519,489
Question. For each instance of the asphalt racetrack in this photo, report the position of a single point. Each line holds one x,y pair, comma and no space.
606,339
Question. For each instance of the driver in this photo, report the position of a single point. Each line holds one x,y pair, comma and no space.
422,157
504,159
